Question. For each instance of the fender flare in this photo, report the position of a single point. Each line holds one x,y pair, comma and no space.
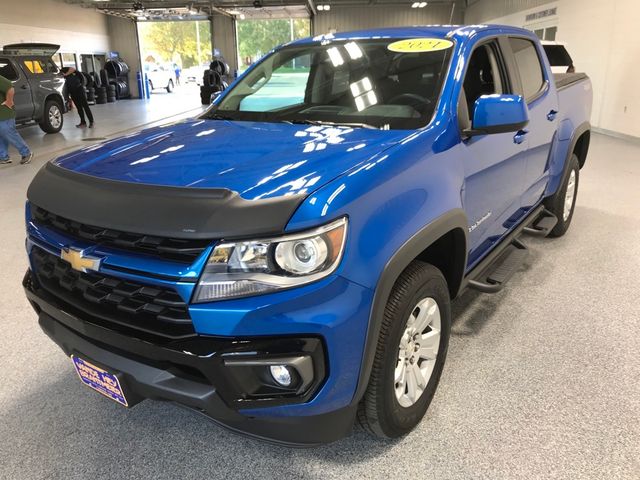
577,133
397,263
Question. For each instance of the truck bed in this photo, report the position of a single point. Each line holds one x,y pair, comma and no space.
563,80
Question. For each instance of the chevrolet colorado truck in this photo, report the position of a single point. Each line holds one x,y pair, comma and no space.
39,88
285,263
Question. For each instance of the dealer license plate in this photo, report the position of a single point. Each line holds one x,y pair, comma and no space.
100,380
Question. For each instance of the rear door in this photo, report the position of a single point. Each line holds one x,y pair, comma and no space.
494,164
23,101
539,90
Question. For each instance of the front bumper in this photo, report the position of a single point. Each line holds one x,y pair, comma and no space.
196,373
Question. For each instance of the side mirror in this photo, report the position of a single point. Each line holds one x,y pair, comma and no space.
498,114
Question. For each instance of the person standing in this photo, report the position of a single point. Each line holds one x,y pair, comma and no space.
177,70
8,132
73,82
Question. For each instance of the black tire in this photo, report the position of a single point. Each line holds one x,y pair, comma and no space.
52,117
380,411
111,99
556,202
150,85
170,86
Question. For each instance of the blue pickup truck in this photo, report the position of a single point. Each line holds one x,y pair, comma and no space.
285,263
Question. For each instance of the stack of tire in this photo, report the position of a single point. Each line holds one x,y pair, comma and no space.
109,87
101,91
89,88
214,80
117,73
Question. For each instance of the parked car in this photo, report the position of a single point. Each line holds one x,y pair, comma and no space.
37,83
160,76
559,58
286,262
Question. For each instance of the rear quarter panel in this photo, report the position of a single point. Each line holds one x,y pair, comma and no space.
575,102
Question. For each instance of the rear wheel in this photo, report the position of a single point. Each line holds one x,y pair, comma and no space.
410,354
170,86
52,119
562,203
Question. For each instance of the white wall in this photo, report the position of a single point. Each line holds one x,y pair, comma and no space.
602,38
124,39
75,29
342,19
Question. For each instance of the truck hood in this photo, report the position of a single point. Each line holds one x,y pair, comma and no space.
256,160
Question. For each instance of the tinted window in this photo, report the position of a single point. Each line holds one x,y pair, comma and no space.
7,70
482,77
528,65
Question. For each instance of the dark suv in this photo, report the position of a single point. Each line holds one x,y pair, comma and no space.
39,87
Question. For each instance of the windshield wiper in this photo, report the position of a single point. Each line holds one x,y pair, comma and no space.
331,124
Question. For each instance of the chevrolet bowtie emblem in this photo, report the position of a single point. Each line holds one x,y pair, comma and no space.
79,261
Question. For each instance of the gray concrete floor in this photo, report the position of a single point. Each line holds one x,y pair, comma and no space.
542,379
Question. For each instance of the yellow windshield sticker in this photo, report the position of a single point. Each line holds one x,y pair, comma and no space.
419,45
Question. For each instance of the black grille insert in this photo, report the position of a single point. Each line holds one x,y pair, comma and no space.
181,250
114,302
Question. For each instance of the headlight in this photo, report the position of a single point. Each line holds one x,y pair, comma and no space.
245,268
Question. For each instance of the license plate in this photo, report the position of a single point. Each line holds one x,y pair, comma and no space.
100,380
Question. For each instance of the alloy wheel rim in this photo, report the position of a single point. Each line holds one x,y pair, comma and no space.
569,196
417,352
55,116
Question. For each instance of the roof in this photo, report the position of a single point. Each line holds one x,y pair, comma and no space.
437,31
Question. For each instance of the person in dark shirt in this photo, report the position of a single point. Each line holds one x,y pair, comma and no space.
73,82
8,132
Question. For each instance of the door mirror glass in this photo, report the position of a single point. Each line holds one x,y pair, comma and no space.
499,114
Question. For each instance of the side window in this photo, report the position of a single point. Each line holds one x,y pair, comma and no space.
7,70
51,66
483,77
529,66
34,66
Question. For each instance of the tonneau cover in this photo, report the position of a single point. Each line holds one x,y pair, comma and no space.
563,80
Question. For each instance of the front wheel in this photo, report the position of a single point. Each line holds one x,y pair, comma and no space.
52,119
410,354
563,202
170,86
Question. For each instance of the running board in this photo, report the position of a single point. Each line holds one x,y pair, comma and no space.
494,277
542,226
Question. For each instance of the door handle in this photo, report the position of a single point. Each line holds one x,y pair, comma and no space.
551,116
520,136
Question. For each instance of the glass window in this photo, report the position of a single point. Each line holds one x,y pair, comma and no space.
7,70
285,87
529,66
482,77
363,82
69,60
550,33
35,66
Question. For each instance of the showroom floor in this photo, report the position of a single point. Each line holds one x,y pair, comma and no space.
542,380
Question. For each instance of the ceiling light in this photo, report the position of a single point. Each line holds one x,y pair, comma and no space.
324,7
418,4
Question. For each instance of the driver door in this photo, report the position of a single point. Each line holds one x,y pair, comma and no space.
494,164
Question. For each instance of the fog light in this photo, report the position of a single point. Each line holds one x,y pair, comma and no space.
281,375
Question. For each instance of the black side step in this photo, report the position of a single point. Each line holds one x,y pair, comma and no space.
542,226
493,278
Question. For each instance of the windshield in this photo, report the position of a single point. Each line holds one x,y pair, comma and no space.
386,84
